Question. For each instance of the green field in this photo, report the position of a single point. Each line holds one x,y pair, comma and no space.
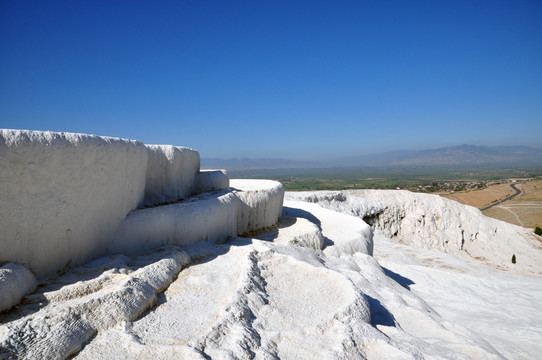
427,179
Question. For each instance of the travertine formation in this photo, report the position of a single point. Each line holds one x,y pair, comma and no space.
16,281
178,280
250,205
69,198
63,195
432,222
244,299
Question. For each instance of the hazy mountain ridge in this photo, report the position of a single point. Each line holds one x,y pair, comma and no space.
461,155
475,155
246,164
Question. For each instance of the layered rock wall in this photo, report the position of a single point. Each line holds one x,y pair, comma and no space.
63,195
260,204
171,173
250,205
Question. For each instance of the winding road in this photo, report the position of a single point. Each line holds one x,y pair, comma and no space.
513,186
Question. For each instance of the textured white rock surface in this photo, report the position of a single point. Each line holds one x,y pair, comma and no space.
63,195
309,289
339,201
259,299
250,206
254,299
499,307
295,231
431,222
16,281
171,173
211,180
343,234
209,217
68,311
260,205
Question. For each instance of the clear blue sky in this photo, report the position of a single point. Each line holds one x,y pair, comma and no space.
290,79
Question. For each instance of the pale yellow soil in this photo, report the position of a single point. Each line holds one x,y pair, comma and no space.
531,191
524,213
481,198
524,210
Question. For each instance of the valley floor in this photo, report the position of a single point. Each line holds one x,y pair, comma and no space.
524,210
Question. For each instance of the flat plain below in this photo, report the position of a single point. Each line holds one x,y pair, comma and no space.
524,210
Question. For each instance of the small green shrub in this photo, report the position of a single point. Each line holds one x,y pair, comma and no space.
538,231
513,258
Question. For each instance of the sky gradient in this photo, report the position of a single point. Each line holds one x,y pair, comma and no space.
277,79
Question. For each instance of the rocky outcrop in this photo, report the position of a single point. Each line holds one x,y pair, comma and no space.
63,195
432,222
244,299
249,206
171,173
69,198
16,281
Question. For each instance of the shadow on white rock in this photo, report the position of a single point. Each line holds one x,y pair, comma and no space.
431,222
57,320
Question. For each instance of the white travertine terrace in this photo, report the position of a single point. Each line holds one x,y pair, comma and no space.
211,180
260,203
63,195
69,198
429,221
252,205
177,281
171,172
350,234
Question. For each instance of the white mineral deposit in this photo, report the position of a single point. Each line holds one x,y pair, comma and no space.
140,255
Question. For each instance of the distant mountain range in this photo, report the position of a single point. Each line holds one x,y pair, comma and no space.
256,164
462,155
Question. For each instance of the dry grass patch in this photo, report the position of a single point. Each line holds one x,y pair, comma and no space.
531,191
504,214
524,210
523,213
481,198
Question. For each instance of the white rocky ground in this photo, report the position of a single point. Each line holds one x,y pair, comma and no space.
432,222
502,308
308,289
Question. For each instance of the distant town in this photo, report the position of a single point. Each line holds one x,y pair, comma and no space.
456,186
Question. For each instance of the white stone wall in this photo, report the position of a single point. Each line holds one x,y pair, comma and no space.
62,195
68,198
171,172
211,180
260,205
